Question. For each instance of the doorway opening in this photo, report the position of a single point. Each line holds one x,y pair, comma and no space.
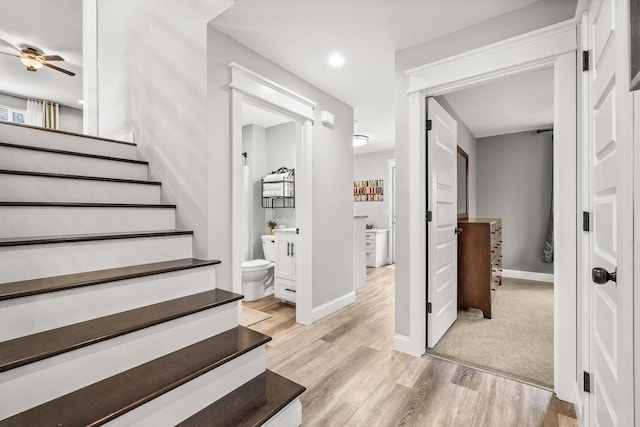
504,248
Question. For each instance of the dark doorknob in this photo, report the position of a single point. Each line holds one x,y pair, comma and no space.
601,276
458,230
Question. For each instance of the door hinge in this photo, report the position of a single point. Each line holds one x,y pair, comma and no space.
429,125
586,382
428,308
586,220
585,60
428,216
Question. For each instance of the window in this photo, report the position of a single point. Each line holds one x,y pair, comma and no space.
13,115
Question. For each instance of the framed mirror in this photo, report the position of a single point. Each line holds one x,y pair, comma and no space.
463,184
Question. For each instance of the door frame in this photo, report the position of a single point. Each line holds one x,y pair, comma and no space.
391,196
552,46
248,86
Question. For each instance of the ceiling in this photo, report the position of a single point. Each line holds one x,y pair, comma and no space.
366,32
252,115
513,104
55,27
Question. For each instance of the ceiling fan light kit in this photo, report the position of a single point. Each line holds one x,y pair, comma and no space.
34,58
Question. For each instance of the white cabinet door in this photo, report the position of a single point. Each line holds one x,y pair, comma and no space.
285,267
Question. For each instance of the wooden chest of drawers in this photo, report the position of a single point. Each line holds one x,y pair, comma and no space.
479,262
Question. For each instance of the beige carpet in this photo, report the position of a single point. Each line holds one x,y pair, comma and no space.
517,341
251,316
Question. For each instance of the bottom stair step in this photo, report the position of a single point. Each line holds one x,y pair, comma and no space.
252,404
105,400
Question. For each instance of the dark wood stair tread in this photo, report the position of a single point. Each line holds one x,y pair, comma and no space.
35,347
251,404
105,400
84,177
69,281
72,153
86,205
67,238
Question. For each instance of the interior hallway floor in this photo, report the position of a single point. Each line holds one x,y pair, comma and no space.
354,378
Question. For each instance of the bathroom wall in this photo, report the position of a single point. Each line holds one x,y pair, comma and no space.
280,151
373,166
254,144
267,150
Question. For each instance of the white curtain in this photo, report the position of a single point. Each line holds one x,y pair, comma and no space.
43,113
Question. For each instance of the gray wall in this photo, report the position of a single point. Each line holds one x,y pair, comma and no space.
70,119
331,163
373,166
515,183
281,151
532,17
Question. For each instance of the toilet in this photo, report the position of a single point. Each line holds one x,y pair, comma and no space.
257,274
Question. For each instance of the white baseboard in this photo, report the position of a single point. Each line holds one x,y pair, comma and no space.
403,344
578,404
332,306
528,275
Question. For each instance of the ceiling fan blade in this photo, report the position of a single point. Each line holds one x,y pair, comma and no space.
46,64
10,54
6,43
52,58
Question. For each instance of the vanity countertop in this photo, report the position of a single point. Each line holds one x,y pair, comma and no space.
286,230
360,216
376,230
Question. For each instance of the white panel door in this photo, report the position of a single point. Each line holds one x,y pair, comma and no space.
605,165
442,246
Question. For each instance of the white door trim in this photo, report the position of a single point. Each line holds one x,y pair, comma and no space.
391,165
247,85
551,46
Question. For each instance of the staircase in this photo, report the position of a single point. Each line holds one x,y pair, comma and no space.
106,317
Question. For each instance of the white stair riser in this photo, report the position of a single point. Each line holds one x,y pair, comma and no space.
37,313
31,221
35,261
30,385
25,188
42,161
60,141
289,416
184,401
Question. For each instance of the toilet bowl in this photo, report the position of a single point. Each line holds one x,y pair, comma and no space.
257,274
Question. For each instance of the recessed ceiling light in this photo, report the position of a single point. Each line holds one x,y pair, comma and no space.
80,101
336,60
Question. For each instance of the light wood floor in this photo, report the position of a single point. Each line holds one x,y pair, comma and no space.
354,378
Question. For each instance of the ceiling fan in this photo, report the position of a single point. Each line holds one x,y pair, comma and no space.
34,58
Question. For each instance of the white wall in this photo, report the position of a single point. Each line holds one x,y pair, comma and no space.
331,154
69,120
373,166
155,54
534,16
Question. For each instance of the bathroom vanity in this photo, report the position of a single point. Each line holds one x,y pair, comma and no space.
285,264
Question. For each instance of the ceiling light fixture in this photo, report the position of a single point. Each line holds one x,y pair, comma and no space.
360,140
336,60
31,63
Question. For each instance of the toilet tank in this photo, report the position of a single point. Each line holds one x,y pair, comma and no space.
269,247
